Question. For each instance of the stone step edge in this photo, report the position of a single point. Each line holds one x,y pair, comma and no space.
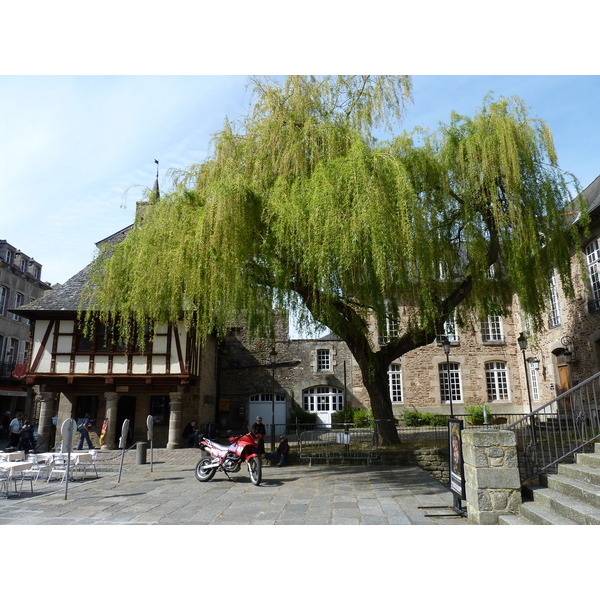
568,507
538,514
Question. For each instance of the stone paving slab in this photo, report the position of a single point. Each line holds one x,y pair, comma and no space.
168,493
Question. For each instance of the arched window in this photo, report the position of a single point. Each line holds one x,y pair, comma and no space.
323,399
496,378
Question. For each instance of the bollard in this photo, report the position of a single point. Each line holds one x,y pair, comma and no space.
140,453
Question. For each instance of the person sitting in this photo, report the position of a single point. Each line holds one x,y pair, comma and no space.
282,451
192,434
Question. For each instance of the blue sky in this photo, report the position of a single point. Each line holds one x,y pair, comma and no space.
77,151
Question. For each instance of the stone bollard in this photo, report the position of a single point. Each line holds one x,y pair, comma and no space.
492,482
140,453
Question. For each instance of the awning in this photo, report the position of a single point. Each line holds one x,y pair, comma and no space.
12,390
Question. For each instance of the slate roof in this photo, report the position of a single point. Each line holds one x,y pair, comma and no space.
65,298
591,195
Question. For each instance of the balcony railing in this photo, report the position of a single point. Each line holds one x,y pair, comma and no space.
7,367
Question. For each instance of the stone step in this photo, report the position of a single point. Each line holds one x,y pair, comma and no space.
513,520
568,507
580,490
537,514
589,460
580,472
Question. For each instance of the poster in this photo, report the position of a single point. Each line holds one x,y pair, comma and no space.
457,476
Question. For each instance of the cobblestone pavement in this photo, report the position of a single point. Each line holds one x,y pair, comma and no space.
168,493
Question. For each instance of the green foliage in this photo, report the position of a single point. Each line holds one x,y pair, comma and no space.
357,415
299,207
297,413
475,413
423,419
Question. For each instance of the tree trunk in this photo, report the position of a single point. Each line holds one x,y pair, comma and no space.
375,379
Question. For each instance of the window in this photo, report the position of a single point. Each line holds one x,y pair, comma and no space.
554,316
395,383
266,397
323,360
450,385
491,329
3,300
9,257
23,265
322,399
450,330
533,377
592,254
18,302
390,330
497,381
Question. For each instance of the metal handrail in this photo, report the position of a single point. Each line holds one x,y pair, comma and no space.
555,431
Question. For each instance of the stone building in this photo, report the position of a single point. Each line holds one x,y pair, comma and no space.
20,282
485,363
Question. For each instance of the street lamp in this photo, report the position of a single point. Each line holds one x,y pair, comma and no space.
273,357
446,346
522,340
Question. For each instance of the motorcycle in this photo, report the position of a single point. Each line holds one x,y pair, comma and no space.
229,459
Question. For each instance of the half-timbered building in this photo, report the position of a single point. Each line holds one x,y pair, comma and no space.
74,371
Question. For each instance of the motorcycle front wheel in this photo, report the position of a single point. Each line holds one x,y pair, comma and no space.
204,472
255,470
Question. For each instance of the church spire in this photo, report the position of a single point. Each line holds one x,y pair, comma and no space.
155,190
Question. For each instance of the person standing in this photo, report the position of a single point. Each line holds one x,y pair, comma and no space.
26,436
15,430
84,429
260,431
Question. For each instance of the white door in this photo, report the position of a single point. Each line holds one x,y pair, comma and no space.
260,405
323,400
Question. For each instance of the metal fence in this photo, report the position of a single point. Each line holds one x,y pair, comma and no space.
557,430
345,441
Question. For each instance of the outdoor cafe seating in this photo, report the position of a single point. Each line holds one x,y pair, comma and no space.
16,468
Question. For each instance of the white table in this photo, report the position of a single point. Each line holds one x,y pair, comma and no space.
12,467
12,456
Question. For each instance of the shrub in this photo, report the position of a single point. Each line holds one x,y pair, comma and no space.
357,415
475,414
303,416
424,419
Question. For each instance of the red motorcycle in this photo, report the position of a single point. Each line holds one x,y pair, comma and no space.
229,459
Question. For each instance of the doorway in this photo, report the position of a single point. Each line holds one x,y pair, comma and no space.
125,410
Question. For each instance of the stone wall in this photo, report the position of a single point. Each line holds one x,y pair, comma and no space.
492,482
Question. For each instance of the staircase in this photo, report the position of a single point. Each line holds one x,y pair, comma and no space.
570,497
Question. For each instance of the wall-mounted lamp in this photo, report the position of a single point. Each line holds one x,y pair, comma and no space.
570,349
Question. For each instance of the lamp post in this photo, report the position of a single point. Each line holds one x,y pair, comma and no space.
522,340
446,346
273,357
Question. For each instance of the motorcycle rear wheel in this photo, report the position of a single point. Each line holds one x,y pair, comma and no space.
255,470
203,471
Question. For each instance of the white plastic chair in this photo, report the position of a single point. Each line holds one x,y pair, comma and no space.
4,482
59,467
35,471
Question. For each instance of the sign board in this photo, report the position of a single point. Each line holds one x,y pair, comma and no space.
457,474
150,426
68,431
124,432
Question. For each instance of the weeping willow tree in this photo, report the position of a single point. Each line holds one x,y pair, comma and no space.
299,206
